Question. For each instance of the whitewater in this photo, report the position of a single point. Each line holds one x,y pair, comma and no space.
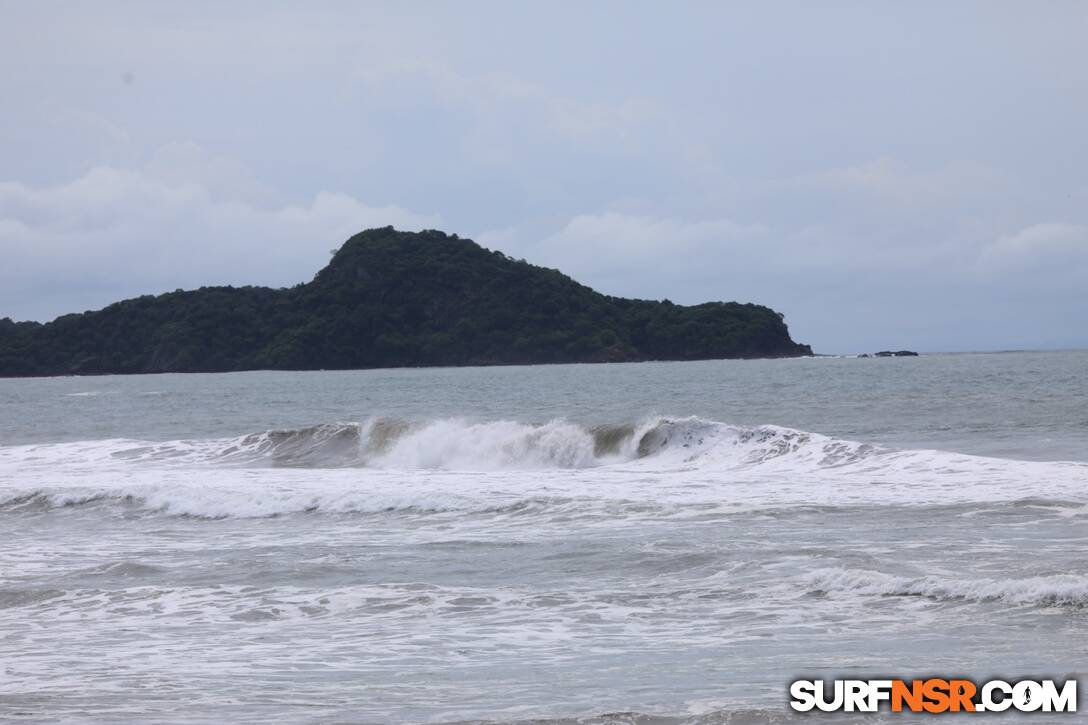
656,542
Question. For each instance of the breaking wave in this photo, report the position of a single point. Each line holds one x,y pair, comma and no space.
661,466
456,444
1056,590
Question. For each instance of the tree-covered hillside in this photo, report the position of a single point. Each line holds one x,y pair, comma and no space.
391,299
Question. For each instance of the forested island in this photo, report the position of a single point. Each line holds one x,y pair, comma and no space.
391,299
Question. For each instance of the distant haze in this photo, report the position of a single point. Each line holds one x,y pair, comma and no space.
885,174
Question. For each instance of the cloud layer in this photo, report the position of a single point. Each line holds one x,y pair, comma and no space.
185,220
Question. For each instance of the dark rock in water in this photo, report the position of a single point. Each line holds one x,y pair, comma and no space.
392,299
897,353
864,354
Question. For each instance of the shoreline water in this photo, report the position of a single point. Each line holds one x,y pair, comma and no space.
537,544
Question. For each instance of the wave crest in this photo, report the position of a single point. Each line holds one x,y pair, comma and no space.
456,444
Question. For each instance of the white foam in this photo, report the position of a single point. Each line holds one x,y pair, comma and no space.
457,444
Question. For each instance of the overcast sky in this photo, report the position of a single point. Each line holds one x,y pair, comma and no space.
909,174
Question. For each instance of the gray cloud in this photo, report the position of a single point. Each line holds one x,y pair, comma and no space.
184,220
884,174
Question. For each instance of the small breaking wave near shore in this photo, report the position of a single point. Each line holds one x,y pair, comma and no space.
1055,590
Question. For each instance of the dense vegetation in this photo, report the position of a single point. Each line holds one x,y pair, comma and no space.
391,299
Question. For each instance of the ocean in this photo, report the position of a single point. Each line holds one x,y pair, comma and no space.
635,543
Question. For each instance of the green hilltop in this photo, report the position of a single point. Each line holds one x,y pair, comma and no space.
391,299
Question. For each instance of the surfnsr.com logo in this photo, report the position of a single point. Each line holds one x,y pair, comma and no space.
934,695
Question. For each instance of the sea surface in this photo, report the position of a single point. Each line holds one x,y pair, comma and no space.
653,542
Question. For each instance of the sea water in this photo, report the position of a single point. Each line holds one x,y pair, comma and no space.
654,542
